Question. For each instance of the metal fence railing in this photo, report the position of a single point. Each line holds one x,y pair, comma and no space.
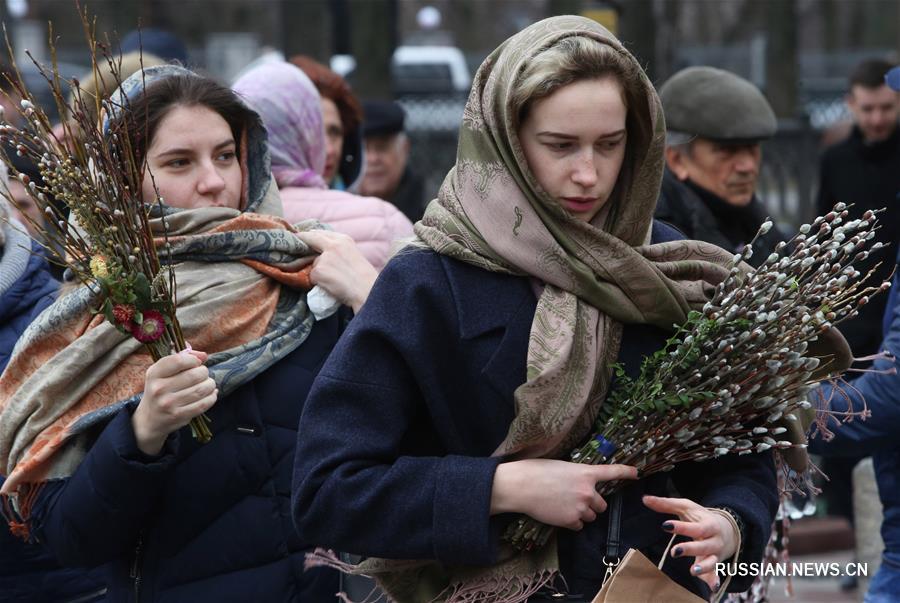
432,126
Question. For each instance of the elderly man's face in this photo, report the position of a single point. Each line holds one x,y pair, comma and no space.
729,171
386,158
874,110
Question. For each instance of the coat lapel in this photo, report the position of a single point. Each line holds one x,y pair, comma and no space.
497,310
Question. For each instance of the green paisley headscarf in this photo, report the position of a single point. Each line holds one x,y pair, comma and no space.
492,213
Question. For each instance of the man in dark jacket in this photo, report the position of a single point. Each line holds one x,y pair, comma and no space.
880,392
388,175
715,123
864,170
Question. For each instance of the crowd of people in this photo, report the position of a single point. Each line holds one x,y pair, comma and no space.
476,338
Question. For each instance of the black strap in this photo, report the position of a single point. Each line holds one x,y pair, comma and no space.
614,532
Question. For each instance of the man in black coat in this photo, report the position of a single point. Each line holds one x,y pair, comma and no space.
862,170
715,123
388,174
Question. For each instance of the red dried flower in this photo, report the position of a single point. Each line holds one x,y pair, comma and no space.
124,314
151,328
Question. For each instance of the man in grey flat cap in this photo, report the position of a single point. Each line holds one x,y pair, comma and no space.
715,121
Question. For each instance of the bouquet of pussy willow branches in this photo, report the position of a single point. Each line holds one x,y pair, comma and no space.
732,375
108,244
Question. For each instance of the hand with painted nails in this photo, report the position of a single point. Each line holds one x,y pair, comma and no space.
713,538
558,493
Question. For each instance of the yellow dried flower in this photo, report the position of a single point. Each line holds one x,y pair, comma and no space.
98,267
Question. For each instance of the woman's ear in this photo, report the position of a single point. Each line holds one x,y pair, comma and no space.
676,161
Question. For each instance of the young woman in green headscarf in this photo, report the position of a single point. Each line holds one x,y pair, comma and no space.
486,349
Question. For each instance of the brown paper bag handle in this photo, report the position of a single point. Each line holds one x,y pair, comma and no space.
666,552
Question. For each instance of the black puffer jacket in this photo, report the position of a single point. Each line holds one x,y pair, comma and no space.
200,522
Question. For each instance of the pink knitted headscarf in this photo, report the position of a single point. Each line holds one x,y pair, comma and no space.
290,108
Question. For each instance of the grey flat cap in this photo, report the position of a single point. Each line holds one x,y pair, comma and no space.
716,104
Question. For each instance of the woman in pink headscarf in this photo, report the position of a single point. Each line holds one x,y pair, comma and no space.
290,108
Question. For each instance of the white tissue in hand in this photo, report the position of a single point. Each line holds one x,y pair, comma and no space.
321,303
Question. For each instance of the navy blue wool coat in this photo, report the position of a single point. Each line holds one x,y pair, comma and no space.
393,453
199,522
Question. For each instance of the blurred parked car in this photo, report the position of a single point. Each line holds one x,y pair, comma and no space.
432,71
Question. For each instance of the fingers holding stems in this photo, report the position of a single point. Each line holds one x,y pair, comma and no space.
177,388
558,493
